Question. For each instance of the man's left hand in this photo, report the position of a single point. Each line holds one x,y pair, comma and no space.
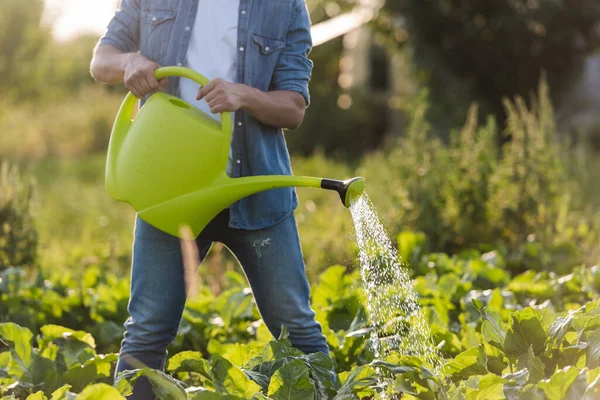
222,96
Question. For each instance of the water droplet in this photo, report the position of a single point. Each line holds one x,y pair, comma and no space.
392,303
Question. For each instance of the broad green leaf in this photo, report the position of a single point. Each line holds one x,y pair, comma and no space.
496,300
235,304
37,396
260,379
240,353
18,340
53,332
404,385
557,386
189,361
495,359
43,371
274,350
268,368
491,329
60,393
358,379
330,286
515,382
525,330
292,382
467,363
592,392
560,327
4,361
577,389
534,365
229,379
593,350
76,347
592,374
532,392
100,391
519,378
165,387
490,388
320,366
97,368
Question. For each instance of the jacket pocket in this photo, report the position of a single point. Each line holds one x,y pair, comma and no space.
268,45
156,27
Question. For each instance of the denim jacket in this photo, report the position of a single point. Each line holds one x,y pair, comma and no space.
273,45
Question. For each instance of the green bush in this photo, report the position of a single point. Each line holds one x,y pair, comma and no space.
469,194
18,237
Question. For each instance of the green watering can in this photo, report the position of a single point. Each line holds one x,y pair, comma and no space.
169,163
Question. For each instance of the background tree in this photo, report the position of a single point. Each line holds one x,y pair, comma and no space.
498,48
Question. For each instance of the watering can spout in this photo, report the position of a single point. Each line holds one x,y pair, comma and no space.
196,209
349,190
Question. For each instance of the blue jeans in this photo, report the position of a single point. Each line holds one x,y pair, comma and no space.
273,263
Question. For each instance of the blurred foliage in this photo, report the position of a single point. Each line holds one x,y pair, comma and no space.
18,237
498,48
343,133
467,194
22,44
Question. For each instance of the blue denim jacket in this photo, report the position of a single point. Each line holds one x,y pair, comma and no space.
273,45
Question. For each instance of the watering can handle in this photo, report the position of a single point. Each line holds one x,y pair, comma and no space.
163,72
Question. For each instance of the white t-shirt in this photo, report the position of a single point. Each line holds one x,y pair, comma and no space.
212,50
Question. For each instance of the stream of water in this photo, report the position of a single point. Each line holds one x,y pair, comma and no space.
393,306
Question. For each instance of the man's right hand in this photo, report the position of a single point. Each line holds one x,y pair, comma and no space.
111,65
139,75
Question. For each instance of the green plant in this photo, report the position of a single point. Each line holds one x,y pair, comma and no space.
500,336
18,237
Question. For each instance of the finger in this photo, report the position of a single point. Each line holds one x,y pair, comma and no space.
219,108
143,88
200,94
162,84
136,90
151,82
206,89
211,96
216,100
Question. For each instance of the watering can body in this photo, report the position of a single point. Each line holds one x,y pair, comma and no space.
169,163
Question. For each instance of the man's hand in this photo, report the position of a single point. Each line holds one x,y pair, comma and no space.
139,75
222,96
281,109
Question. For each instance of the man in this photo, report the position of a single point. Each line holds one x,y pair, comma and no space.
256,54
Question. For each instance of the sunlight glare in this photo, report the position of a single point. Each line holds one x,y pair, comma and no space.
73,17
